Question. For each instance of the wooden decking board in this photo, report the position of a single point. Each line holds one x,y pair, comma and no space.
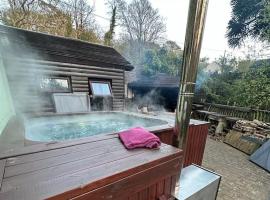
70,167
82,179
58,152
57,145
58,160
2,171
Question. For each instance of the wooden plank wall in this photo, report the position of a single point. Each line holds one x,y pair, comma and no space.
27,96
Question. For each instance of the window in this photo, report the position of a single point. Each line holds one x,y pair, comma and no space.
55,84
100,88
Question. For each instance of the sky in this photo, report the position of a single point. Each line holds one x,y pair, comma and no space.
175,13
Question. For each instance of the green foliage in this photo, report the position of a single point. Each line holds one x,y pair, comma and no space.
162,60
109,35
253,89
68,27
168,59
220,86
244,83
88,35
266,21
250,18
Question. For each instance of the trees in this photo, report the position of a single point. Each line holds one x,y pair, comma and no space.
108,37
165,59
218,85
253,89
84,26
141,21
241,83
42,15
72,18
250,18
141,27
38,15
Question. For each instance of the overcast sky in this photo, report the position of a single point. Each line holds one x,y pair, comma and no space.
175,12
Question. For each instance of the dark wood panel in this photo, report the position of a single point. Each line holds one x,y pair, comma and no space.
42,147
134,197
94,75
120,90
15,170
60,151
167,185
152,192
80,85
84,82
135,183
160,188
69,69
2,170
79,78
65,168
143,195
72,185
41,64
118,86
118,95
119,105
81,90
118,108
174,180
118,80
118,101
166,136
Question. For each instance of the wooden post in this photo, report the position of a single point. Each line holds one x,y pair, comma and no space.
191,56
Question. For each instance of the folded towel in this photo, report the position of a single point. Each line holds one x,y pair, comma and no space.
139,137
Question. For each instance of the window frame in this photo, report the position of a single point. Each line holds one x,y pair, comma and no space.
91,92
68,78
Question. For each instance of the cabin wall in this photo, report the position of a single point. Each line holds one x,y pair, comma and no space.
6,104
26,92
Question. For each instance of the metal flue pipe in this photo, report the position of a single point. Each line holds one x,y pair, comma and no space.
191,56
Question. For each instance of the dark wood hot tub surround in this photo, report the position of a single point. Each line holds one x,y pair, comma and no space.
98,168
197,134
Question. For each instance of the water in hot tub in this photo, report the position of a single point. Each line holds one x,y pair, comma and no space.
59,128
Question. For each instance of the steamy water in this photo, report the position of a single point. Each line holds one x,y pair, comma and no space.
59,128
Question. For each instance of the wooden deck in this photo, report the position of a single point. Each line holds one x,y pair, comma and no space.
98,168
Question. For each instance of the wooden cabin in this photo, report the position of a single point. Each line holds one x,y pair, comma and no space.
39,65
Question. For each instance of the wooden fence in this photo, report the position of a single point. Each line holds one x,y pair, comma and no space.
240,112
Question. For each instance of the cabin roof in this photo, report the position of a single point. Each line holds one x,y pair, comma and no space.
159,80
64,50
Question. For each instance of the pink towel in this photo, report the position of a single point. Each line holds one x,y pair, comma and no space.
139,137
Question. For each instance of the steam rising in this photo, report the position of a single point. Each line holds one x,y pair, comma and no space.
23,71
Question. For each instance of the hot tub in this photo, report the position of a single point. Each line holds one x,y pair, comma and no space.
55,131
67,127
